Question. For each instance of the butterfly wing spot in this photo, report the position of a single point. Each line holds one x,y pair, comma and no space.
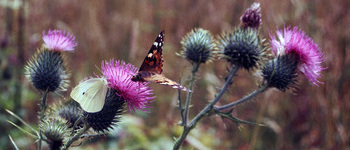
156,44
150,55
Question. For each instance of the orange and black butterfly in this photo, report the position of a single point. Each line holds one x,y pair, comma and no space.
152,67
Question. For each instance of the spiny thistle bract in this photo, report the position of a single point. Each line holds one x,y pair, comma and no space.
281,72
198,46
55,130
242,47
110,114
70,111
47,71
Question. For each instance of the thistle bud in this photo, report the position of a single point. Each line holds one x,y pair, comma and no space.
243,48
55,130
251,17
47,71
198,46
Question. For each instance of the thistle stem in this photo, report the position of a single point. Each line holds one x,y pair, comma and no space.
75,137
208,108
76,123
42,115
180,107
246,98
189,95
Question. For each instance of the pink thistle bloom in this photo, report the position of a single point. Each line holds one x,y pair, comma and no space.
137,96
59,40
295,42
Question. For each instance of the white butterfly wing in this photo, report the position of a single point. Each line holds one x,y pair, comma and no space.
91,94
78,92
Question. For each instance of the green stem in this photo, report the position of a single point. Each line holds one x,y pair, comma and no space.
189,95
76,124
209,107
42,115
248,97
75,137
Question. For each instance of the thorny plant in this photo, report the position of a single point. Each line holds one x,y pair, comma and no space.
293,54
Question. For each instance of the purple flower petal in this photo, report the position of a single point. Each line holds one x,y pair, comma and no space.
58,40
138,96
296,42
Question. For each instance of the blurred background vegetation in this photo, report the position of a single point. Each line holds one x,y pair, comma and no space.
310,117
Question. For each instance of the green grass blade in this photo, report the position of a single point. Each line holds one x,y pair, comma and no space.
13,143
20,128
20,119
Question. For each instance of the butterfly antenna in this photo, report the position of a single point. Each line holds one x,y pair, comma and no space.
98,70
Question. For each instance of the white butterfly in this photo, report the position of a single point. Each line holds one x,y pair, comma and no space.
91,94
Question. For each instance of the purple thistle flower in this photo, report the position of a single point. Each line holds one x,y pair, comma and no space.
59,40
137,96
295,42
